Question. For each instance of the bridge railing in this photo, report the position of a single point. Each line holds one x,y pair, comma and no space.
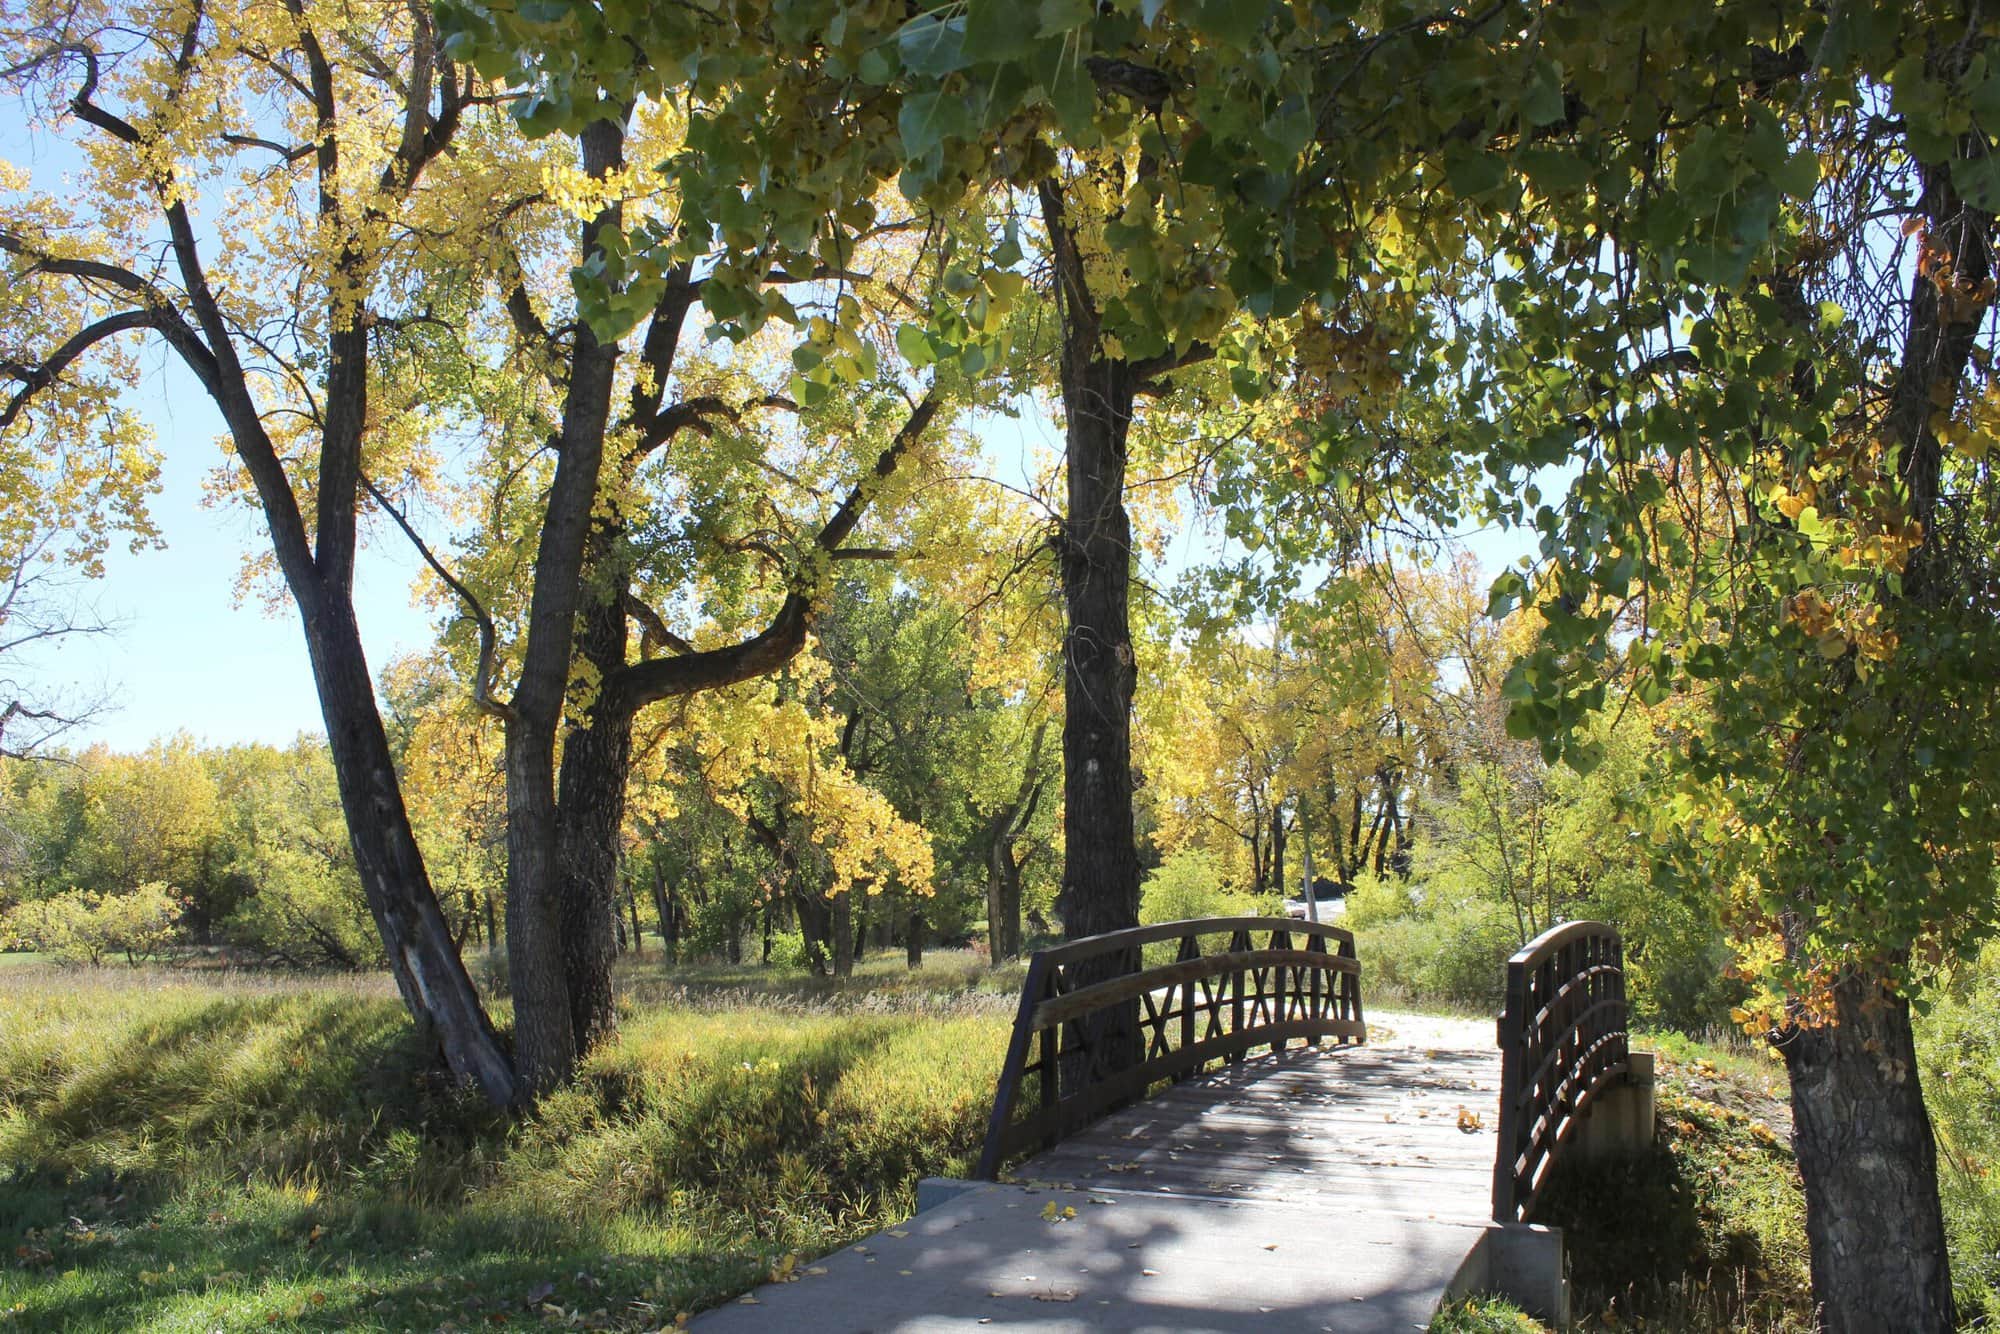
1562,1044
1097,1027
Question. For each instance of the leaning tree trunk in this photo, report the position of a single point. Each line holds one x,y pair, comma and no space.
1863,1137
1868,1159
429,973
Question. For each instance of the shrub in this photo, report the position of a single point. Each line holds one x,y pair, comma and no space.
1958,1052
83,926
1187,884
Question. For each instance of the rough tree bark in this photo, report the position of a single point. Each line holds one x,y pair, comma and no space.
545,1045
1868,1159
1100,880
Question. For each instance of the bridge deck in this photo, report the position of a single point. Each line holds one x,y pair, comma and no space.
1318,1190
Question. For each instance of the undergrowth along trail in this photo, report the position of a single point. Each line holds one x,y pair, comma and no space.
271,1153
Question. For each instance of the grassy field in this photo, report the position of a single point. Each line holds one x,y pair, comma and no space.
257,1153
203,1151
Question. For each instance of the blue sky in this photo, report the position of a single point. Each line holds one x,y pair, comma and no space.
184,654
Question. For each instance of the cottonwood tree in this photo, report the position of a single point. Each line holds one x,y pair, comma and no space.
320,134
1748,261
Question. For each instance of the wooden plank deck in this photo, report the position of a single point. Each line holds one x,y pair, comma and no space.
1404,1124
1322,1190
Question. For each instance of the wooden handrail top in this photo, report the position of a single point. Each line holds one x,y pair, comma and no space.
1075,1004
1555,938
1132,937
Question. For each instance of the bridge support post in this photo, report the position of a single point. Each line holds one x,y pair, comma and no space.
1620,1120
1522,1262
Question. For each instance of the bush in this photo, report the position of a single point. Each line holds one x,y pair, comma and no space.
1958,1052
1187,884
83,926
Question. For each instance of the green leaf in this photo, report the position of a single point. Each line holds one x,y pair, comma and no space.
1978,180
1233,22
922,122
915,345
1799,177
1008,252
1542,100
1060,16
999,30
876,67
1507,590
1553,172
1472,173
1522,724
934,46
1584,756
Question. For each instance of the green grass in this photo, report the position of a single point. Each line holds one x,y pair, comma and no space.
1483,1315
24,959
256,1153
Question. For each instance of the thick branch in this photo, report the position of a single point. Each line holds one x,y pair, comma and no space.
654,633
662,678
37,378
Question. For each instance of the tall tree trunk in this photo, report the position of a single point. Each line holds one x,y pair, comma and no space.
816,929
1003,870
1863,1137
1003,903
590,815
1100,880
1868,1158
667,909
429,973
1278,839
843,933
913,942
545,1027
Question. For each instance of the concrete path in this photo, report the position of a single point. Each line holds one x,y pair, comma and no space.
1334,1189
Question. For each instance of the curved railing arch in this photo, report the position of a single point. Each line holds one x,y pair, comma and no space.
1300,984
1562,1043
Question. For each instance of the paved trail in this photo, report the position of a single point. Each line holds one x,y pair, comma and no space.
1331,1190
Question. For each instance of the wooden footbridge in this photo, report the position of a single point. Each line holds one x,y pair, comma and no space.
1199,1129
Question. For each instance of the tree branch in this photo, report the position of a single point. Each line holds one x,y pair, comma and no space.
482,677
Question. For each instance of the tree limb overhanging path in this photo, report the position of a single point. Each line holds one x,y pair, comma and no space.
1346,1188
